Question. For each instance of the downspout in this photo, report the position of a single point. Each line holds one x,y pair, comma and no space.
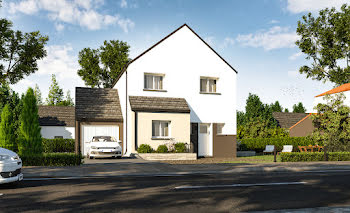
136,132
126,111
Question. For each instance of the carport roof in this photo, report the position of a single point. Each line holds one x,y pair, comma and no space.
56,116
97,104
158,104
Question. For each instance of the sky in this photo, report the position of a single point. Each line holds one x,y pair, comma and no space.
257,37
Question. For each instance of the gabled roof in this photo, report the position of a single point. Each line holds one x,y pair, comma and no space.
130,62
342,88
97,104
56,116
287,119
158,104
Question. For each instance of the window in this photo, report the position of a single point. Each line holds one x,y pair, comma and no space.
219,128
160,129
58,137
153,81
208,85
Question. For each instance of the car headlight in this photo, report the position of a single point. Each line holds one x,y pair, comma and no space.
15,157
93,147
4,157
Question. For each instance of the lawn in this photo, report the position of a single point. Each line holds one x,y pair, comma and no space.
255,159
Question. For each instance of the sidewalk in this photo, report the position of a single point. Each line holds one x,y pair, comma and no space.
139,167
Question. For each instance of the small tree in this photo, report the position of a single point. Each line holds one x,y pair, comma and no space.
332,123
55,93
276,107
37,94
7,130
30,141
286,110
299,108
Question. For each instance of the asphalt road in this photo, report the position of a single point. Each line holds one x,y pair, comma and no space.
198,193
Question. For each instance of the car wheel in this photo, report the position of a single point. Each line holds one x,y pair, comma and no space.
119,157
113,157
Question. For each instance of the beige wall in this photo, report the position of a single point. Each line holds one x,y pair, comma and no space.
179,127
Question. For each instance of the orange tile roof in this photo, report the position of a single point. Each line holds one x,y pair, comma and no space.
342,88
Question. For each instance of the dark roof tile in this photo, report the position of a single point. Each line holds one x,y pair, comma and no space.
56,116
288,119
158,104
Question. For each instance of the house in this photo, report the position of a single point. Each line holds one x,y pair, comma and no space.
179,90
57,121
344,89
297,124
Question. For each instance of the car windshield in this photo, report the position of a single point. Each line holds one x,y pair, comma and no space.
103,139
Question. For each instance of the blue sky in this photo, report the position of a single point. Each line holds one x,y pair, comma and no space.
255,36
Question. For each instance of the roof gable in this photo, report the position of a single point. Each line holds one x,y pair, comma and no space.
342,88
287,119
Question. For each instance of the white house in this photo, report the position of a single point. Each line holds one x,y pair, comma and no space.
344,89
179,90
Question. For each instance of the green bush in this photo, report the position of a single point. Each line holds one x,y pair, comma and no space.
162,149
58,145
259,144
314,156
52,159
180,147
145,148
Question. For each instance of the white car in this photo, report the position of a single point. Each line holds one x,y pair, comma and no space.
10,166
104,146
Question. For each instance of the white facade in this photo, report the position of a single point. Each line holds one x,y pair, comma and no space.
183,58
322,100
61,131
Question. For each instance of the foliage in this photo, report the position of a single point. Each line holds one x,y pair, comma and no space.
19,52
314,156
30,141
286,110
68,102
37,94
58,145
112,55
55,93
325,40
299,108
259,144
7,130
52,159
145,148
276,107
332,123
259,128
241,118
162,149
180,147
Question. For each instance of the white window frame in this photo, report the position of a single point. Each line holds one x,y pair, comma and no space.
161,123
217,128
153,75
208,85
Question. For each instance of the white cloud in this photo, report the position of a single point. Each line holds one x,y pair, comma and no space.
295,56
299,6
59,27
123,4
274,38
274,22
228,41
77,12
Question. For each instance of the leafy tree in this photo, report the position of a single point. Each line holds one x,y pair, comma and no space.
241,118
7,129
19,52
276,107
299,108
113,56
325,41
332,123
286,110
68,102
55,93
30,140
254,107
37,94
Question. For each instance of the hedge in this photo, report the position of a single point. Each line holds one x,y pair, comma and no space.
52,159
145,148
58,145
314,156
259,144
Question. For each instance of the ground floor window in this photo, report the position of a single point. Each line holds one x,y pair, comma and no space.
160,129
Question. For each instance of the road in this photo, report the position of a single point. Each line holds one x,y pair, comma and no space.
189,193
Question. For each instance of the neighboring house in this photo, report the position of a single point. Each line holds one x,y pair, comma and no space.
57,121
179,90
345,89
297,124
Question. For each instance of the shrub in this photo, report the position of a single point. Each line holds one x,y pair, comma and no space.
52,159
259,144
162,149
180,147
145,148
7,130
314,156
58,145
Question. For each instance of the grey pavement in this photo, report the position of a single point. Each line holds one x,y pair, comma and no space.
140,167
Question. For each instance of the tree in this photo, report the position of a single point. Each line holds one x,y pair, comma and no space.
112,55
7,129
332,124
276,107
299,108
30,141
254,107
55,93
286,110
68,102
326,42
37,94
19,52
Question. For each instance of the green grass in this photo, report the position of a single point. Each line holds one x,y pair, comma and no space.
256,159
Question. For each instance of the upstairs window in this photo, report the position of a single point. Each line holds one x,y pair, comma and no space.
153,82
160,129
208,85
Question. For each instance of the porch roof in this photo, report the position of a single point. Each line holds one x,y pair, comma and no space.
158,104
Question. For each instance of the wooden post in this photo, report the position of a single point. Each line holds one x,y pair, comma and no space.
274,155
325,158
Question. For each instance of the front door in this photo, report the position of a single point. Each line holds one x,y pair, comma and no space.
204,140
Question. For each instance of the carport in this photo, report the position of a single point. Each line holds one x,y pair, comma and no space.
97,113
